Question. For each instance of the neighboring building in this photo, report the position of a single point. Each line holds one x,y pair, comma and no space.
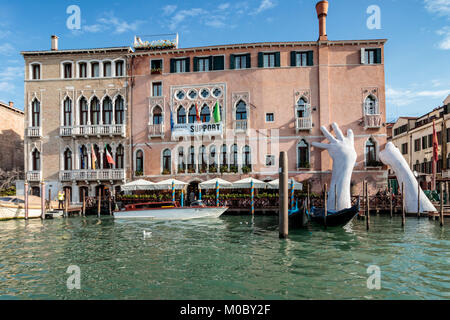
414,137
292,87
76,101
11,137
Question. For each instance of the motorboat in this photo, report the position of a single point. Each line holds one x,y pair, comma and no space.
13,207
168,211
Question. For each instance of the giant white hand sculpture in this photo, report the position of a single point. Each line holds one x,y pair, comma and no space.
342,151
391,156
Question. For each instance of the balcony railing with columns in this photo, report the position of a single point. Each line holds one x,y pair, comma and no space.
241,125
34,176
156,130
303,124
34,132
92,175
372,121
94,130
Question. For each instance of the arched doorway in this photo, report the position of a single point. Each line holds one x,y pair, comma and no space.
192,192
36,191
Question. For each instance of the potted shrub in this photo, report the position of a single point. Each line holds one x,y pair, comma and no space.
223,169
138,173
166,172
156,71
246,169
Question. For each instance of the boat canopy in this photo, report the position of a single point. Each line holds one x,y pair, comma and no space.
275,184
211,184
247,184
137,185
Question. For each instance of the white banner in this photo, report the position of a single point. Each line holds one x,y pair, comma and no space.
197,129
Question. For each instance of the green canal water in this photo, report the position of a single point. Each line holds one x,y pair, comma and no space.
226,258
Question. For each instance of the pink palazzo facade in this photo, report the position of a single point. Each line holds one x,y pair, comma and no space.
273,97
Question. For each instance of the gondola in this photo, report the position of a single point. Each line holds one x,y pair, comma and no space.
334,218
297,216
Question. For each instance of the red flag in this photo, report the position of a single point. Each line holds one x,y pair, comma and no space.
197,112
435,144
94,156
109,158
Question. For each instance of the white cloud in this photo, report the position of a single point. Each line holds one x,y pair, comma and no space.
404,97
169,9
265,5
439,7
445,43
6,49
224,6
181,16
11,73
6,87
110,22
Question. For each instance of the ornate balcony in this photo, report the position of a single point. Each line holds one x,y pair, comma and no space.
372,121
34,176
92,175
94,130
156,130
34,132
241,125
303,124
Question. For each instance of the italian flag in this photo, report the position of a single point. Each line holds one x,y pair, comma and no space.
216,114
109,158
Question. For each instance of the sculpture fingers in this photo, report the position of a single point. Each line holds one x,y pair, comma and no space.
321,145
350,135
328,135
338,131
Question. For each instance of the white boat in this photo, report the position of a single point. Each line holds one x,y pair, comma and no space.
14,208
168,211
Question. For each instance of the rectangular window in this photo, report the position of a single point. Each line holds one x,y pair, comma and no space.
270,160
270,117
67,70
424,143
157,89
107,69
405,148
203,64
240,62
371,56
417,145
301,59
439,137
119,68
430,141
36,71
180,65
95,70
82,70
269,60
156,66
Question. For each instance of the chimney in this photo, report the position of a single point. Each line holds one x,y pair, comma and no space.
11,104
322,12
54,43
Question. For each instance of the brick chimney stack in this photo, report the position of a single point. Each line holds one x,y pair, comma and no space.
11,104
54,43
322,12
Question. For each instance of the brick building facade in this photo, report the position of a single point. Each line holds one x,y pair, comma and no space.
11,137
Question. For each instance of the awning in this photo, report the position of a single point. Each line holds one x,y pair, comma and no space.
211,184
247,184
137,185
167,185
275,184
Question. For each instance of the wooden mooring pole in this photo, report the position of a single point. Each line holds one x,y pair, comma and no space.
84,203
418,200
403,205
325,212
441,214
390,200
26,199
368,207
308,199
109,204
284,203
43,200
99,206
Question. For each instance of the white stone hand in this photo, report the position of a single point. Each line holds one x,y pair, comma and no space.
392,157
342,151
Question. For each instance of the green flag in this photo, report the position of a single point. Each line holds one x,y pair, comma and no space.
217,113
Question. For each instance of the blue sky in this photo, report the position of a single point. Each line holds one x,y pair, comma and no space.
417,54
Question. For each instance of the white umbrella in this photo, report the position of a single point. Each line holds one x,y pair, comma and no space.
137,185
247,184
211,184
275,184
167,184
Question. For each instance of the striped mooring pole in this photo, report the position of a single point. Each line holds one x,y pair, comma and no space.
253,197
182,197
217,193
292,194
199,193
173,191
